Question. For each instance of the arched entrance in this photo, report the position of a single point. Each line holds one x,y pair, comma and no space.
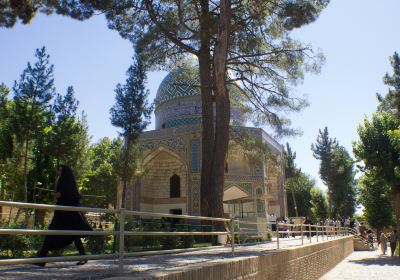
164,185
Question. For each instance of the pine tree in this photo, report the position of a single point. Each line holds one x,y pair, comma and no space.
291,174
131,112
32,95
391,101
322,150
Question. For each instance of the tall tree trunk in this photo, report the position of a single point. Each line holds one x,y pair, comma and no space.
125,171
396,198
296,211
222,111
207,140
330,204
25,170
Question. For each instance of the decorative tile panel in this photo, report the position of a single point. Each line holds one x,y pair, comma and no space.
176,144
183,121
195,156
179,83
195,198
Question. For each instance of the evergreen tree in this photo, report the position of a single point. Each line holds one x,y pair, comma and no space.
391,101
322,150
319,205
250,39
343,183
374,196
66,141
101,182
32,95
6,141
301,187
131,113
67,127
292,174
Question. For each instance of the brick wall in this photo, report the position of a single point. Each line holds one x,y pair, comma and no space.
301,263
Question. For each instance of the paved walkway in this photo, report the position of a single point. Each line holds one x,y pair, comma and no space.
363,265
103,269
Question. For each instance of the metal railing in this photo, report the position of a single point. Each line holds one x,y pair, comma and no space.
233,230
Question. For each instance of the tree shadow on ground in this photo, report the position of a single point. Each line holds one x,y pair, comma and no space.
381,260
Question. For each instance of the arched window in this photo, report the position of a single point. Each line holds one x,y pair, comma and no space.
175,186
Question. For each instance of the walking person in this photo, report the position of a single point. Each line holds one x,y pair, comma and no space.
383,243
66,194
393,241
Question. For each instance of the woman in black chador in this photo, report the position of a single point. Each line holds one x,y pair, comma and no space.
66,194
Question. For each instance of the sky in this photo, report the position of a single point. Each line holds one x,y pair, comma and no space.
356,36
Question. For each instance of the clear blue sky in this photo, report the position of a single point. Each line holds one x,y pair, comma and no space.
357,38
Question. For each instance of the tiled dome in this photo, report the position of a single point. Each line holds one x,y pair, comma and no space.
179,83
178,100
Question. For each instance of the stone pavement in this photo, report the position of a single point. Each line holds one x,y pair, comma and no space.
365,265
103,269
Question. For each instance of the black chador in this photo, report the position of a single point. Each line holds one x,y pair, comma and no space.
66,194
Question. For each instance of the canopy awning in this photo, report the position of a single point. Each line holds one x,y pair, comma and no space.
250,198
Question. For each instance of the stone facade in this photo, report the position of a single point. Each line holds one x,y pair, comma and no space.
174,149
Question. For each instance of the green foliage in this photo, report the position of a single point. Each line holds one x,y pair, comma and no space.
322,150
374,195
99,244
99,185
18,245
343,186
262,58
337,172
39,132
379,143
6,140
131,112
301,186
378,150
148,242
391,101
319,205
12,12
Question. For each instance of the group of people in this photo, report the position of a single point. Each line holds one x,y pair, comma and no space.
392,238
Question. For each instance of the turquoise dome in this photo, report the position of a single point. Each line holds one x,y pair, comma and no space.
178,100
182,82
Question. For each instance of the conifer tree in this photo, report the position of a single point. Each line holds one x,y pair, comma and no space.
131,112
322,150
391,101
32,95
6,141
292,172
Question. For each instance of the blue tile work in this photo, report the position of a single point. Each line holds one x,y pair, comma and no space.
176,144
183,121
179,83
196,156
